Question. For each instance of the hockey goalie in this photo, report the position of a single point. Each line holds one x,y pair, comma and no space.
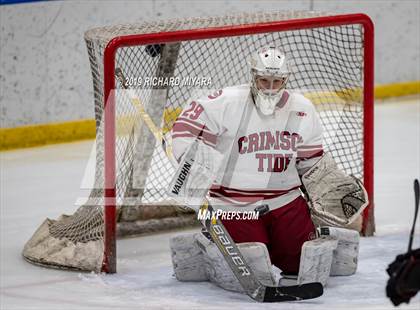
262,144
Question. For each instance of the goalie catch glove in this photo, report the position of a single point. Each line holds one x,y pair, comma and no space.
335,199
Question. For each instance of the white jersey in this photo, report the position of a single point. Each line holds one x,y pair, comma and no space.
264,156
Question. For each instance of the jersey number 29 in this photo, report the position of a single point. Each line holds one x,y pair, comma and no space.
194,111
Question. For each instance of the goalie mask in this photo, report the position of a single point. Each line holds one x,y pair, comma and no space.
269,74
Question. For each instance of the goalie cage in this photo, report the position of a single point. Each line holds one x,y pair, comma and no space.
332,62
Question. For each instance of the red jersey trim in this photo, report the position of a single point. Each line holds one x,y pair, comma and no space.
315,146
304,155
246,196
185,128
197,124
189,135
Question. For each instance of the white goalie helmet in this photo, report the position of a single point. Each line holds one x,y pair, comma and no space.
269,73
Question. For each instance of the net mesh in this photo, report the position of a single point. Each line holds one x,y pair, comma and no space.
327,66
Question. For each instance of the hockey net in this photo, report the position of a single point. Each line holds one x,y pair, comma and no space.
331,59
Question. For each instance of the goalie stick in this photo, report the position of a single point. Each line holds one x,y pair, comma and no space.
221,237
416,211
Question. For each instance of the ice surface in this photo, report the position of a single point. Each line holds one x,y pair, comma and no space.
41,182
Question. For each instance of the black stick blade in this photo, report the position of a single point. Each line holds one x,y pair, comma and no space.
293,293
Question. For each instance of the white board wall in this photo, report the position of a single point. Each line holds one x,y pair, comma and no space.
44,70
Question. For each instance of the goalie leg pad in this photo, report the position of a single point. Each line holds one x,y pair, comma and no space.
346,254
187,259
255,254
196,258
288,279
316,260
